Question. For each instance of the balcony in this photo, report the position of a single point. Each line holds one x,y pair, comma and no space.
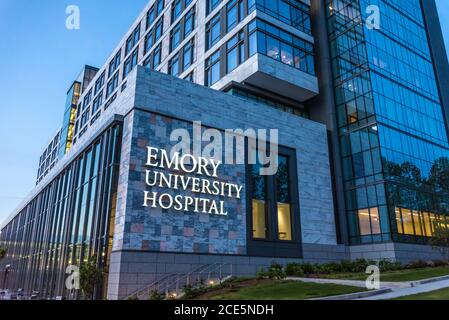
274,76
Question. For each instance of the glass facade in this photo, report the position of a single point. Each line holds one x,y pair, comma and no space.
392,131
292,12
279,45
68,125
68,222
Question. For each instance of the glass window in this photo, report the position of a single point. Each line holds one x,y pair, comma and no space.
232,59
369,221
98,101
287,54
158,30
189,77
148,42
232,14
281,46
157,57
273,50
114,64
151,16
407,221
259,200
188,56
292,12
272,212
132,40
130,63
213,68
176,10
364,222
427,224
283,200
212,4
399,221
189,23
174,66
375,221
235,52
99,83
213,31
417,223
175,39
112,85
252,44
159,6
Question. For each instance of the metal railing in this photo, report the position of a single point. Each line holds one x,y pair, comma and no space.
172,286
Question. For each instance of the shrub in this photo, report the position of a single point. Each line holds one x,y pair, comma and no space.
322,269
90,276
439,263
276,271
3,252
418,264
335,267
155,295
308,268
387,265
191,292
262,274
346,266
294,270
360,265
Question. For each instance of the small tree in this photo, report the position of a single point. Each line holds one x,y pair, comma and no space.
90,276
440,240
3,252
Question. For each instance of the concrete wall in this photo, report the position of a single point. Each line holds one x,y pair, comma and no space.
163,103
133,270
182,100
401,252
406,253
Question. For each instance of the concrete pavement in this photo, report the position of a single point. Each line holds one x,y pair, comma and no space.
388,290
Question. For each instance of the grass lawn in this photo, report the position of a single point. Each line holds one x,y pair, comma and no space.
278,290
395,276
442,294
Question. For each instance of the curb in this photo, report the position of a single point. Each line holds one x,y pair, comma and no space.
357,295
430,280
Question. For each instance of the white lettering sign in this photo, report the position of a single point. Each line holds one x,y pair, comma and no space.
176,179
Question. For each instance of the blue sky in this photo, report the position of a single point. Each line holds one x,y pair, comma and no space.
38,61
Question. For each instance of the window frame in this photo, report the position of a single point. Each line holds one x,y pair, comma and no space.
210,62
272,246
210,25
211,5
238,47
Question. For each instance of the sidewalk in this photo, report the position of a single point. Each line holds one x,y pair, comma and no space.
422,288
388,290
353,283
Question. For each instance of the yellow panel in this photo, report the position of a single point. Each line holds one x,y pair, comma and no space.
427,224
399,221
285,222
417,222
433,222
407,221
259,220
375,220
364,224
